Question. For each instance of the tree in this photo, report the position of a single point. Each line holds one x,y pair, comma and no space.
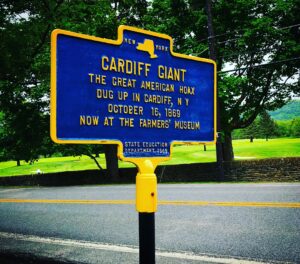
295,127
263,50
25,28
284,128
248,34
267,126
111,158
21,94
258,40
251,131
262,127
23,140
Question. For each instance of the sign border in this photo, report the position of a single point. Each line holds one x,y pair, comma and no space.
118,42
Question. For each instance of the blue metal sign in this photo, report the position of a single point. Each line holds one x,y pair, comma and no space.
134,91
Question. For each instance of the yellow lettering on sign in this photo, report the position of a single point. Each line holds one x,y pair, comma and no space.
136,97
187,90
157,99
123,82
122,96
129,67
126,122
104,64
113,66
179,101
187,125
157,86
154,123
170,73
125,109
104,94
121,65
89,120
125,66
108,121
97,78
186,101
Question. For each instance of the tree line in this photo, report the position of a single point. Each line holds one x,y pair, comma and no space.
256,48
265,127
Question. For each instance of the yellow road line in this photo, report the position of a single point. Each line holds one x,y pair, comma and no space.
56,201
238,204
175,203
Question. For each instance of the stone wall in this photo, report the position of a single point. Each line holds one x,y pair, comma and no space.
281,170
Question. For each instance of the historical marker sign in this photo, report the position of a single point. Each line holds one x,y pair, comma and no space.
134,91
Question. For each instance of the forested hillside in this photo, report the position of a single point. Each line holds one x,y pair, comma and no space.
287,112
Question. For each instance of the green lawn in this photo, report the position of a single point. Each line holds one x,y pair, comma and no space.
243,149
261,149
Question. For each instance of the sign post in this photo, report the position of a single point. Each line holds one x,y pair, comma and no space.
134,92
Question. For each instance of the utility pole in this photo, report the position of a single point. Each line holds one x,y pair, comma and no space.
213,56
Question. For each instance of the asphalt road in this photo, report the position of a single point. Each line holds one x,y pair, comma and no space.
225,223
